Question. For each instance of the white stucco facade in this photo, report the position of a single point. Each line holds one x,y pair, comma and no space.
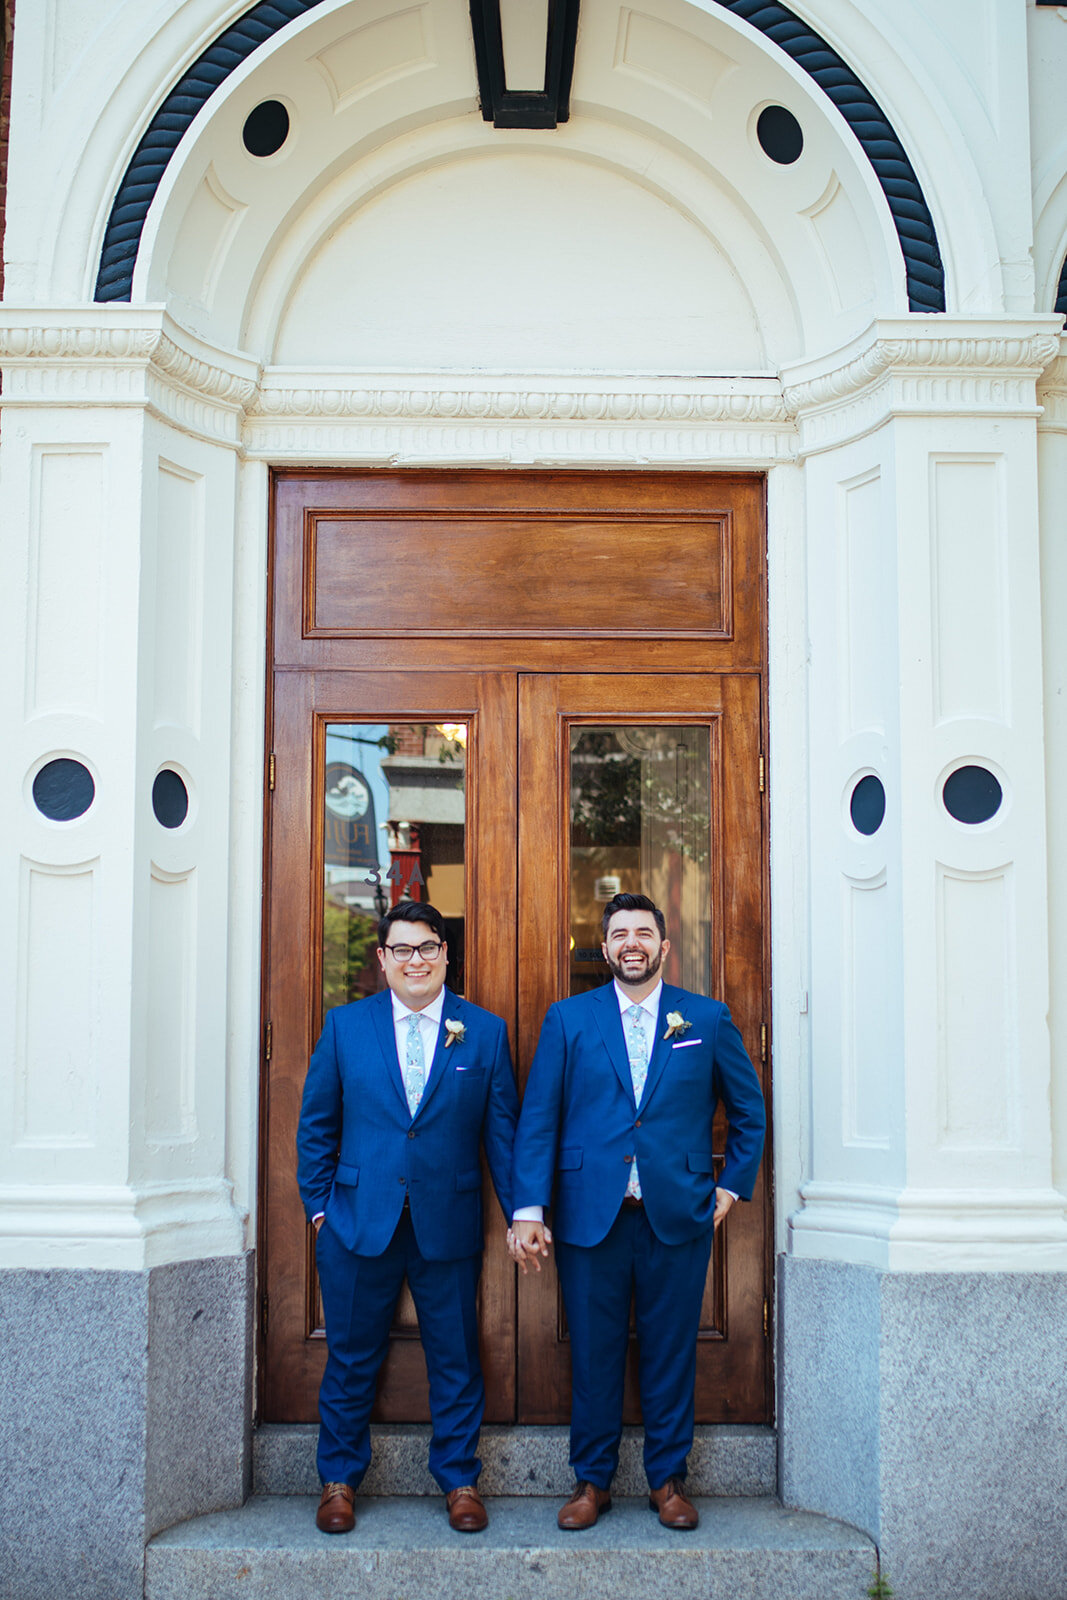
401,284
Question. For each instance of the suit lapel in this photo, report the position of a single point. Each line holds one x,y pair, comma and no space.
382,1016
609,1021
441,1063
669,1000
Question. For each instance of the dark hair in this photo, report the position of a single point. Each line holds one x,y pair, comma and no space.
634,902
412,911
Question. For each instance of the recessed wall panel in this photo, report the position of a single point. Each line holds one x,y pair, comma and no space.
171,1023
977,1029
969,583
55,1070
868,1025
868,605
178,607
66,578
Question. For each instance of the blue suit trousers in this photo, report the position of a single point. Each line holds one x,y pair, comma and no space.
359,1295
666,1284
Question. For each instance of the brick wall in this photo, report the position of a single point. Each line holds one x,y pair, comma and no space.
5,118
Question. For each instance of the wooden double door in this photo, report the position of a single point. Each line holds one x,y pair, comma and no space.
470,706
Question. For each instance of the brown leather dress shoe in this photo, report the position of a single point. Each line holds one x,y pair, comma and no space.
583,1507
337,1513
466,1510
675,1510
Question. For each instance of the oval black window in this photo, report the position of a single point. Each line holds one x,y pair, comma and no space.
63,789
780,135
170,799
972,794
867,806
266,128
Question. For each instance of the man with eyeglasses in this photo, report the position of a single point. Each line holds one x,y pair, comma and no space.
402,1089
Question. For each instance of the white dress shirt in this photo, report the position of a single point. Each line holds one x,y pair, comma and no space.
429,1028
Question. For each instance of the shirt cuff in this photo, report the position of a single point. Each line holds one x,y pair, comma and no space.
528,1214
731,1192
320,1214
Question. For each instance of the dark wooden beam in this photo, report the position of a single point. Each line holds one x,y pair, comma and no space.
525,108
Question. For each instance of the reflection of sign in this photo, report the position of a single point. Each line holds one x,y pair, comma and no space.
351,839
607,887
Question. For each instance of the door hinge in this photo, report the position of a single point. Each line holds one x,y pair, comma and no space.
766,1317
762,776
268,1038
762,1041
263,1307
271,771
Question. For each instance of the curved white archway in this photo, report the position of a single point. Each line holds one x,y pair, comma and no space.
668,104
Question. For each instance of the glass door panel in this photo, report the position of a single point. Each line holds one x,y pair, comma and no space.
393,828
640,823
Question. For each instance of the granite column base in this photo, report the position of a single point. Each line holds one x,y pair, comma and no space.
125,1408
930,1410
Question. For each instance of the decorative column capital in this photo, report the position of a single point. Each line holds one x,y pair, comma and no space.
124,356
921,366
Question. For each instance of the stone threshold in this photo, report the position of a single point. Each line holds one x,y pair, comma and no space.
746,1548
730,1460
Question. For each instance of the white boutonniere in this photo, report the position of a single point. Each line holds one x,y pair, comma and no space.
676,1023
455,1032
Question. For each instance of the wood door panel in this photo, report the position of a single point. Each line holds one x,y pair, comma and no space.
294,1349
517,570
409,596
733,1369
502,576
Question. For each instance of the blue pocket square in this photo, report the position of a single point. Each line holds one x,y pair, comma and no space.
683,1044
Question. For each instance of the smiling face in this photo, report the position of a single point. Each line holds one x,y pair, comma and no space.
417,982
634,951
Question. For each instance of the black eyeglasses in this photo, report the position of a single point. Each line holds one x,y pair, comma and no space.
429,950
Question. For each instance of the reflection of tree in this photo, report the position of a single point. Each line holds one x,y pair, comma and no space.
348,939
612,791
606,792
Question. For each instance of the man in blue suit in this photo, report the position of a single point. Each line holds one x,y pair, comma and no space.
618,1114
401,1090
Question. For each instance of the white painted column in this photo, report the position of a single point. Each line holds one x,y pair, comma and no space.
1052,499
119,446
931,1144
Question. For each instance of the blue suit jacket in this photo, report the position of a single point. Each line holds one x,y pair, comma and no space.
580,1124
360,1152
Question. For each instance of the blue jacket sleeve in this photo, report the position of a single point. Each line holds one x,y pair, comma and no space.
537,1138
739,1091
501,1114
318,1134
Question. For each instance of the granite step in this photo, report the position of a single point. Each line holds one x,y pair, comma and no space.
746,1548
730,1460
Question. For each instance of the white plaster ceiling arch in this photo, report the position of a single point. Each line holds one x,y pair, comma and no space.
381,90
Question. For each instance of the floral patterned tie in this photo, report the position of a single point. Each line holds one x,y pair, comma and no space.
637,1050
414,1065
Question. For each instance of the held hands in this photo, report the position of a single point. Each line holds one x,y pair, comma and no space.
527,1242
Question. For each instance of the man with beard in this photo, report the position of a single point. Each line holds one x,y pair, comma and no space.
619,1110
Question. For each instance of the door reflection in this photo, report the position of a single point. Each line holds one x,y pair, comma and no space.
640,823
394,821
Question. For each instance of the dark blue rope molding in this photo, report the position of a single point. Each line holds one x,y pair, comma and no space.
911,214
895,173
114,281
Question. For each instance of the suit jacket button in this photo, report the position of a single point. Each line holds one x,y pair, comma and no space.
411,1133
401,1180
627,1158
637,1124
